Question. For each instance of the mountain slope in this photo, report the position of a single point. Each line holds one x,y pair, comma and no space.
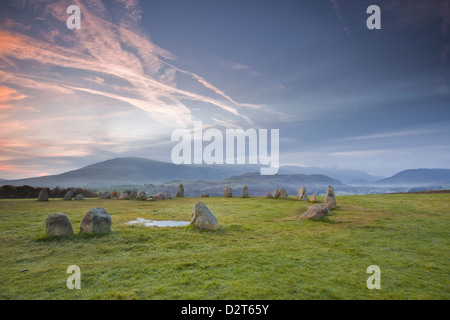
121,171
418,177
344,175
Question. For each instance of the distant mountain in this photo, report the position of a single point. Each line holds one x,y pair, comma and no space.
418,177
133,171
3,180
347,176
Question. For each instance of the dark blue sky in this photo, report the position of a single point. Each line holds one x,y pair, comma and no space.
341,95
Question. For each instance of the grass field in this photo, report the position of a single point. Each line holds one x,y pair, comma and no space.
261,251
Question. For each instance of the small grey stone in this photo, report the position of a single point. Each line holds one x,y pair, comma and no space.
79,197
227,192
282,193
330,199
43,195
245,192
302,194
141,196
180,191
68,195
124,196
317,211
276,193
105,195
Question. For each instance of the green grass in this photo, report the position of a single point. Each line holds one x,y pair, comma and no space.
261,251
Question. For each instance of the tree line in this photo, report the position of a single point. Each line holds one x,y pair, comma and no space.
28,192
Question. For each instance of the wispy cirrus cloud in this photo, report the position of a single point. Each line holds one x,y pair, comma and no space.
105,48
54,72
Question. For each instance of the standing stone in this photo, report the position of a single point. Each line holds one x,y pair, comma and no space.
269,195
58,224
124,196
313,198
205,195
68,195
104,195
302,194
227,192
163,196
203,218
79,197
141,196
180,191
245,192
43,195
133,195
330,199
276,193
282,193
317,211
96,220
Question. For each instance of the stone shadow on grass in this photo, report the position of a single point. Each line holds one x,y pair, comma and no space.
84,236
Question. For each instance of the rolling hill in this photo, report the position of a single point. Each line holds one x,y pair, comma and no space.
201,178
133,171
347,176
418,177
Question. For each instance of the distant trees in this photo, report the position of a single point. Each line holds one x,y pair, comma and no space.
28,192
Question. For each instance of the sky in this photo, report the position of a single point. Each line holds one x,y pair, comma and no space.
341,95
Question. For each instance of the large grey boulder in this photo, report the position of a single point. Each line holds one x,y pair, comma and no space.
68,195
330,199
269,195
43,195
245,192
58,224
203,218
317,211
227,192
205,195
180,191
302,194
96,220
282,193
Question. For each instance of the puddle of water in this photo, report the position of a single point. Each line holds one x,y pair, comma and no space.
159,223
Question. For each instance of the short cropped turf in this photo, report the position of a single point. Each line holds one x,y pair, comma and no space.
261,251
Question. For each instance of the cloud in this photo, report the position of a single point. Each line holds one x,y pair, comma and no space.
10,94
395,134
31,109
104,48
95,79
